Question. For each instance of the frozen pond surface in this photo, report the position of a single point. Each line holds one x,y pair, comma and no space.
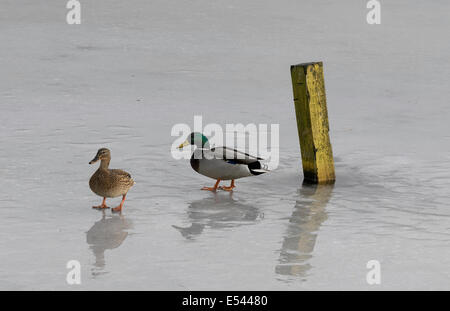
133,69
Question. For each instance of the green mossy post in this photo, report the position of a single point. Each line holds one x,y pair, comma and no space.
312,122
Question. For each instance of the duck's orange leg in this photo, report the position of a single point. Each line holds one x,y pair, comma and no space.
101,206
230,188
212,188
119,208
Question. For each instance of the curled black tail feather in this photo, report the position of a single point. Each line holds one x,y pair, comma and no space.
255,168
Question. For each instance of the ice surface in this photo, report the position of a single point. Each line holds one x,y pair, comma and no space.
133,69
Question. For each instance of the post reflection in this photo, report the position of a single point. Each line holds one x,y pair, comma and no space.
107,233
217,212
304,224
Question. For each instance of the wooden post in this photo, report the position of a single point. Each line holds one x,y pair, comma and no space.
312,122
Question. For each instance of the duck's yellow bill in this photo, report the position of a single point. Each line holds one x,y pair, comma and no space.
186,143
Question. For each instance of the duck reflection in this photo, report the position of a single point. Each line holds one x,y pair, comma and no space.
300,238
107,233
217,212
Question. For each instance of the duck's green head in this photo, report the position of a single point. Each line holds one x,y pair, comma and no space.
197,139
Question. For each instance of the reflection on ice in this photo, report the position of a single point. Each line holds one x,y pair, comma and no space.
193,230
219,211
299,240
107,233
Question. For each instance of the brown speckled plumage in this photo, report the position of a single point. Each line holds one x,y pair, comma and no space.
109,183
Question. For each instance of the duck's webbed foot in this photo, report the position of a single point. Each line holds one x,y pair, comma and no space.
212,188
230,188
102,206
209,188
225,188
119,208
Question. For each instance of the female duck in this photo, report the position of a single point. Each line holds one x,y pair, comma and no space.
109,183
222,163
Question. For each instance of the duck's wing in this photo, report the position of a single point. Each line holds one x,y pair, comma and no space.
122,176
233,156
121,173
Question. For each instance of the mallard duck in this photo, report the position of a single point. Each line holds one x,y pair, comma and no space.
221,163
109,183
